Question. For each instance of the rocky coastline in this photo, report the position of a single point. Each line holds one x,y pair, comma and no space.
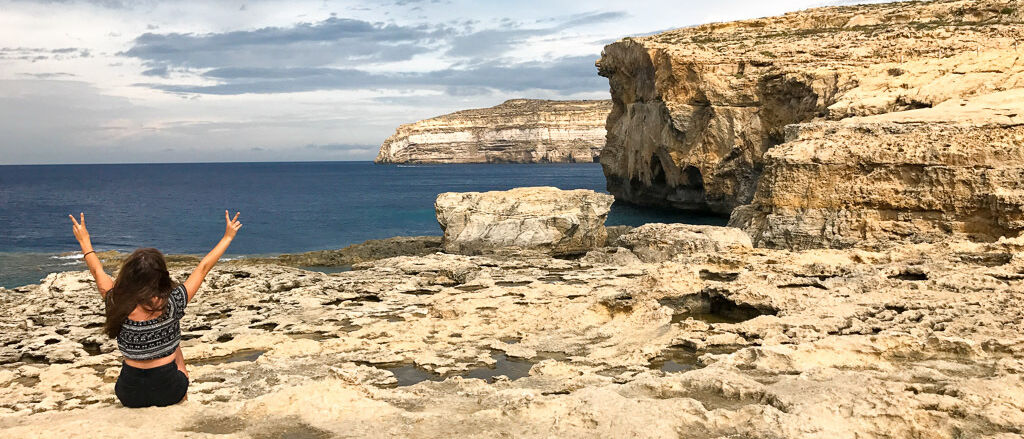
516,131
871,285
690,330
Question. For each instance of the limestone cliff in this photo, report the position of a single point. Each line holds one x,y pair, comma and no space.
916,175
696,109
517,131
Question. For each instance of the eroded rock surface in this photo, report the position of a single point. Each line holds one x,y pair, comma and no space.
924,176
696,109
517,131
917,341
544,219
661,242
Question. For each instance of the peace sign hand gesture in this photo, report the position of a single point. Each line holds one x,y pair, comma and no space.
78,227
232,225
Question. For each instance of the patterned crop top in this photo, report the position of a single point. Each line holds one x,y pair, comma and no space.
155,338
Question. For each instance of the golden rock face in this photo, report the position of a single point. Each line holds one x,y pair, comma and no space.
698,112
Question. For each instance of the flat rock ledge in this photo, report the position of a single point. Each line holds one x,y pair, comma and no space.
661,242
543,219
917,341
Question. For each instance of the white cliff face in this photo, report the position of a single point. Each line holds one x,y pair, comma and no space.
517,131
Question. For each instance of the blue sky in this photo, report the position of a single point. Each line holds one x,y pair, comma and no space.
121,81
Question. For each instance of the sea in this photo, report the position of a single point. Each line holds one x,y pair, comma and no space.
286,207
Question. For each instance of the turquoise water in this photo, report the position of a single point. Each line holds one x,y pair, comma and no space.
286,207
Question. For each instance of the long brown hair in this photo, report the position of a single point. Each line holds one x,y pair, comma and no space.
143,278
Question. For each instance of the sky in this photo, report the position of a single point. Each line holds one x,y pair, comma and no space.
130,81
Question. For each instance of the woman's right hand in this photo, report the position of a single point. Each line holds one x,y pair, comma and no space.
81,233
232,225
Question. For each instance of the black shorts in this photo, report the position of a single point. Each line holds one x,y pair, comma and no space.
160,386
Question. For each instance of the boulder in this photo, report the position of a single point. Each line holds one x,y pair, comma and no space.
657,242
546,219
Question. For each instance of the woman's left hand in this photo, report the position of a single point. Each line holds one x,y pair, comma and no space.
78,227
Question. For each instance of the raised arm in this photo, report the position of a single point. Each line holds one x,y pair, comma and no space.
196,278
103,281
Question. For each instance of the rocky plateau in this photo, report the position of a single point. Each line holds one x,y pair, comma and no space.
725,340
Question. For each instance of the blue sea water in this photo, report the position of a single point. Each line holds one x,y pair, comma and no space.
286,207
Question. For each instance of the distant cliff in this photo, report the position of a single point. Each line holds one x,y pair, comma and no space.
517,131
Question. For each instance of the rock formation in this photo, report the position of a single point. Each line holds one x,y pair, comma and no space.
545,219
917,341
696,109
661,242
517,131
918,175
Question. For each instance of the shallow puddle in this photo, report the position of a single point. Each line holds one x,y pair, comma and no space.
408,374
235,357
217,426
522,283
512,367
675,359
290,428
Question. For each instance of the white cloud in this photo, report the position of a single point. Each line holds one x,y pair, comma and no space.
68,93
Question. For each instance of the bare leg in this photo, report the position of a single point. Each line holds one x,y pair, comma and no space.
179,359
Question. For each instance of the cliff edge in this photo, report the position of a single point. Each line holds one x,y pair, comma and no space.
698,114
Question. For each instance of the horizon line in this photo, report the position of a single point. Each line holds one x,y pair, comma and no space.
185,163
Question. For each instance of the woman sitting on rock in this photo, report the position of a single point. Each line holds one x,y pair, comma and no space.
143,308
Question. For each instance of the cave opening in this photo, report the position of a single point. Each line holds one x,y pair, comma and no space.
657,172
663,194
693,179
